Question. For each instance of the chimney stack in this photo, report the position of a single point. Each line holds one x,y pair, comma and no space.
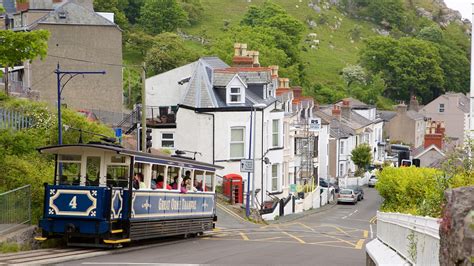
414,106
336,112
243,49
434,134
236,49
401,108
346,109
274,70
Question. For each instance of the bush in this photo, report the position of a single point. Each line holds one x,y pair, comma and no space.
21,163
417,191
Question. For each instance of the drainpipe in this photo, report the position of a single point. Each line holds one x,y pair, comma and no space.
262,191
213,134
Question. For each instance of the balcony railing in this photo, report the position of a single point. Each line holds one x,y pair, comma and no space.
161,115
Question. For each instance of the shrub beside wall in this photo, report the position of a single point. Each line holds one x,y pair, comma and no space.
417,191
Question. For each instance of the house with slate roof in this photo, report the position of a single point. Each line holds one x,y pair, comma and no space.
452,108
352,122
80,40
305,150
225,113
406,126
342,140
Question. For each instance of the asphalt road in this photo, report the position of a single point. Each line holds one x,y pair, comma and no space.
335,236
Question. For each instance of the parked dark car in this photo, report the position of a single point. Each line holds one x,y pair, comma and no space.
324,183
359,192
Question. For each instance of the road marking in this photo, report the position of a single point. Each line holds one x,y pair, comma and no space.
359,244
225,209
340,230
294,237
366,233
373,219
371,232
244,236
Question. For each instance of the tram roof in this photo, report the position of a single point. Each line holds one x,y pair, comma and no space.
70,148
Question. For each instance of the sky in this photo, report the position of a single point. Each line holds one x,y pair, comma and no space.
463,6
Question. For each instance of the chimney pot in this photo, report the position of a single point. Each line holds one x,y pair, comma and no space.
243,49
236,49
256,63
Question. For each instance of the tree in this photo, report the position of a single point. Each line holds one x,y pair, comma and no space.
193,8
362,156
353,73
157,16
16,47
387,11
168,52
115,6
432,33
132,10
275,16
409,66
139,41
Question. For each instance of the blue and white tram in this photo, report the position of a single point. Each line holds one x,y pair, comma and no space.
93,202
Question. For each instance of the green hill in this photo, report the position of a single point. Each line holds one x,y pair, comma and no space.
324,63
334,31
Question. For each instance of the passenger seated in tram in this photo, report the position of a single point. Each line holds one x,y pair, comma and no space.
198,185
138,181
175,183
160,182
189,186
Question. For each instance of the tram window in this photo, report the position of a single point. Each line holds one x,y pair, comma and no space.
157,175
172,178
117,175
209,182
69,169
140,168
118,171
93,171
198,179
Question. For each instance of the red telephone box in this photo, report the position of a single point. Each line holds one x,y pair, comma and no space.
233,187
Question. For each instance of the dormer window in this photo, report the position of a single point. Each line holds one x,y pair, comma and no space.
235,95
235,91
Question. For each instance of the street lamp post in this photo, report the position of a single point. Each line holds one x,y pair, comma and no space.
247,202
59,76
253,128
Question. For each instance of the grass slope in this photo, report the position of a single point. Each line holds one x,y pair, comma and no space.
322,64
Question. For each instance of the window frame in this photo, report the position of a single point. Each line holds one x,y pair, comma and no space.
275,177
234,142
441,108
166,139
240,94
277,133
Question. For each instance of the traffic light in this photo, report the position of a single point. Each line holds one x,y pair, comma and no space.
148,139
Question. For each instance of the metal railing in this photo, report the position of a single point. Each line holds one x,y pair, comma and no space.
14,120
15,207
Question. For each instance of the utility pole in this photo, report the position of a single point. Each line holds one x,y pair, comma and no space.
470,134
143,123
60,74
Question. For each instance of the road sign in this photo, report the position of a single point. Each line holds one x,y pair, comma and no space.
246,166
314,124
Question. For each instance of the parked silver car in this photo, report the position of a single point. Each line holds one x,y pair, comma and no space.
372,181
347,195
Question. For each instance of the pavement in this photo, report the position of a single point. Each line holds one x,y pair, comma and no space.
335,235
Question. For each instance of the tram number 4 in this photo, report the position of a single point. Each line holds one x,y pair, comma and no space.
73,202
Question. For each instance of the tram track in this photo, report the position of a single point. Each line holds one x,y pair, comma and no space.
60,255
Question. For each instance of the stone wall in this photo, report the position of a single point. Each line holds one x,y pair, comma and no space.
457,227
